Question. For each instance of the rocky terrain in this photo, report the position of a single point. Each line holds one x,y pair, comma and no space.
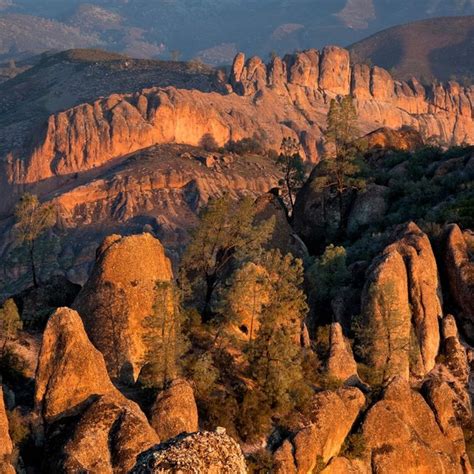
176,297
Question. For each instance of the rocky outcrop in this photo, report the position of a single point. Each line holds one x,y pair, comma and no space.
342,465
119,295
174,411
332,417
88,425
402,435
6,445
341,364
213,453
460,270
402,306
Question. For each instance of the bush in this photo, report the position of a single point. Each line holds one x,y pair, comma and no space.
208,142
245,146
18,427
354,446
254,420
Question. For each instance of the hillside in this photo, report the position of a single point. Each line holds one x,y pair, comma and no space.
151,29
436,48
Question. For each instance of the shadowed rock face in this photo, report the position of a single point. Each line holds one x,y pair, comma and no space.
119,295
6,445
213,453
89,425
460,270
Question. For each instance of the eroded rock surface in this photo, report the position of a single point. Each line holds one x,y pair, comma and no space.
213,453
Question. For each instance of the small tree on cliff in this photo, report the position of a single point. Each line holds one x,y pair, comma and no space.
164,339
226,235
340,167
292,166
33,219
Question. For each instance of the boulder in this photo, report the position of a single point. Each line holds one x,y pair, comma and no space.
369,207
6,445
89,426
332,416
460,271
107,438
341,364
174,411
204,452
402,435
119,296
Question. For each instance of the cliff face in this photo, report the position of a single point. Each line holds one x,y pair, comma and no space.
288,97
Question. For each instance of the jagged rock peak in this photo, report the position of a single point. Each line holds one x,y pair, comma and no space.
209,452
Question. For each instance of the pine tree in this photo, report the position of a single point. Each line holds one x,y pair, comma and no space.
291,164
33,219
276,357
164,338
341,166
10,323
225,236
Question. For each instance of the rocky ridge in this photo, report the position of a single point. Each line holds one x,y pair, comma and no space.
288,97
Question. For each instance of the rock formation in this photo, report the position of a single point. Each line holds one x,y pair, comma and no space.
119,295
403,435
460,271
402,306
277,100
332,417
341,364
101,431
174,411
70,369
6,445
213,453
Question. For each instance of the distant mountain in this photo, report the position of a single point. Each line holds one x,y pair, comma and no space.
210,29
441,47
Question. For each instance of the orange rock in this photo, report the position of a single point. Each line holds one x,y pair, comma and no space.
119,295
